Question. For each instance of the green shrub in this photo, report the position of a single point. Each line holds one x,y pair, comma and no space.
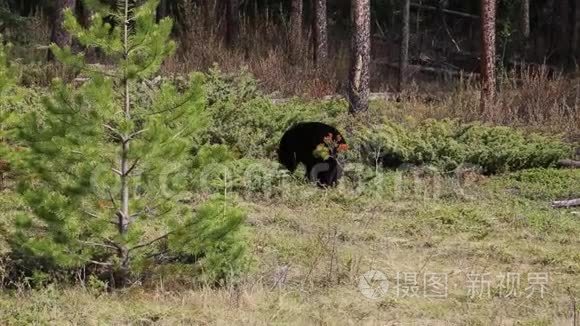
216,169
207,240
373,143
501,149
448,144
543,184
249,123
435,142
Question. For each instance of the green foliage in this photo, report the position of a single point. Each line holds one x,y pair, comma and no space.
217,169
377,140
207,239
104,167
449,144
543,184
6,71
249,123
7,18
500,149
10,94
435,142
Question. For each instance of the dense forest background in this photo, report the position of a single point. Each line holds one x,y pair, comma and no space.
276,38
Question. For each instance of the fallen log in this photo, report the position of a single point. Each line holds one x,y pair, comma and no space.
387,96
432,70
569,163
447,11
566,203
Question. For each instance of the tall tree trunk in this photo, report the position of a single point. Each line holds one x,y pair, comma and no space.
83,15
320,33
296,30
487,55
575,39
358,87
404,56
58,34
123,213
563,31
162,10
525,19
232,22
525,29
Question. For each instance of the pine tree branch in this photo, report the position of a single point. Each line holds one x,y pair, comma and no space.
124,139
191,222
151,242
113,243
177,106
97,71
132,167
99,263
95,244
112,199
91,214
115,131
142,212
133,135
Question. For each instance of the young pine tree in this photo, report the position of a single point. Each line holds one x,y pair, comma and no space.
104,168
8,95
6,79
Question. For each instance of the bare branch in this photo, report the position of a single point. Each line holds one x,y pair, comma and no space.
450,12
99,263
91,214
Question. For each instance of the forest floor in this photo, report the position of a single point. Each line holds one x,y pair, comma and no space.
491,252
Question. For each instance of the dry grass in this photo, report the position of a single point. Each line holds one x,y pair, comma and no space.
532,98
310,248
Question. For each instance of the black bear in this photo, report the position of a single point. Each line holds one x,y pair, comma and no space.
299,143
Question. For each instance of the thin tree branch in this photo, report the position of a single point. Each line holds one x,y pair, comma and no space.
115,131
176,106
91,214
447,11
132,167
150,242
95,244
99,263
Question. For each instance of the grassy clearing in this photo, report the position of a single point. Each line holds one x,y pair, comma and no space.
310,247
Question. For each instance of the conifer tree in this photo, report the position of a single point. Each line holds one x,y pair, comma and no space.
8,95
103,173
6,73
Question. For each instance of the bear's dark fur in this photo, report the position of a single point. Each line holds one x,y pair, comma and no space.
297,146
